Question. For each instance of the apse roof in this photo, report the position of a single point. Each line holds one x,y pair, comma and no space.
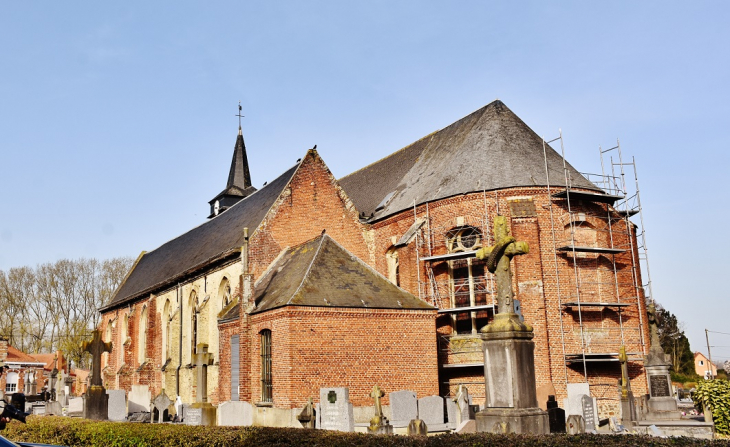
322,273
205,243
489,149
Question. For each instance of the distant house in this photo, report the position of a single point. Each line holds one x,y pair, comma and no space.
703,366
27,373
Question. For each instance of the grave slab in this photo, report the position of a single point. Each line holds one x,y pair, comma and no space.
235,414
117,405
403,408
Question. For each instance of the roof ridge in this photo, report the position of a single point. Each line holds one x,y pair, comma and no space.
229,208
418,140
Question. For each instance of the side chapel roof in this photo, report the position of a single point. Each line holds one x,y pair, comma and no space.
489,149
206,243
322,273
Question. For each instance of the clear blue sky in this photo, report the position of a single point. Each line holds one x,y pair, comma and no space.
117,118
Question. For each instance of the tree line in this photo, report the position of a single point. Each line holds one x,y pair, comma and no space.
55,305
675,342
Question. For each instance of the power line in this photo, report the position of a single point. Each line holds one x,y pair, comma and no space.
715,332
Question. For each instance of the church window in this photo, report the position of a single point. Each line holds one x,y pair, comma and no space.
194,314
123,337
11,382
266,382
108,338
166,333
225,292
468,278
393,266
142,337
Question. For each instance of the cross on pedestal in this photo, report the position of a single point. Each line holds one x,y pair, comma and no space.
498,258
623,358
376,394
96,347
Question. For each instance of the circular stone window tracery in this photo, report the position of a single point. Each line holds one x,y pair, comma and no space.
466,238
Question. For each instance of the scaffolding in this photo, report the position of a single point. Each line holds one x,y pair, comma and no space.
589,230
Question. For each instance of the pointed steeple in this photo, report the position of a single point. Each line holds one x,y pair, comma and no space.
239,177
239,174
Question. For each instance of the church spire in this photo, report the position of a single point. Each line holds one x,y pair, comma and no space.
239,176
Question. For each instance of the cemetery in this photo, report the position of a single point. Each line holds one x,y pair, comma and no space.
340,308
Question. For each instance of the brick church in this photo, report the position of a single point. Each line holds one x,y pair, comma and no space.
313,282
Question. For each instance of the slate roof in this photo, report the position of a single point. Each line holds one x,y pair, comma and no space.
489,149
213,240
239,177
322,273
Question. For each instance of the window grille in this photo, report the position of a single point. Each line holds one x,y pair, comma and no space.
266,384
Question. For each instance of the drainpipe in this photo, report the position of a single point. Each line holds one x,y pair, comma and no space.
246,292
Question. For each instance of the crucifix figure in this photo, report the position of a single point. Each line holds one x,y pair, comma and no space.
498,258
623,358
96,347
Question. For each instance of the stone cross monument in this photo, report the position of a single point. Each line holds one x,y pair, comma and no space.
661,403
96,401
628,408
207,411
509,358
379,423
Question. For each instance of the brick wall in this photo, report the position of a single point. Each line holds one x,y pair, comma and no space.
355,348
543,280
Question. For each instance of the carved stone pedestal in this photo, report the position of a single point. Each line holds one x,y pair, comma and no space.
662,404
509,372
96,403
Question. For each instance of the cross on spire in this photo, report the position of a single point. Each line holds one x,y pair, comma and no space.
239,115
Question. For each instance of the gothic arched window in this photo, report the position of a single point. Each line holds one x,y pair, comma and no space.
142,336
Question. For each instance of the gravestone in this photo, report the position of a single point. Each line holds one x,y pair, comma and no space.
589,412
96,403
379,423
193,416
61,389
76,406
417,428
573,404
53,408
462,401
509,352
117,405
178,409
162,404
661,403
431,411
556,416
139,399
452,411
336,409
403,408
235,414
575,425
207,411
308,417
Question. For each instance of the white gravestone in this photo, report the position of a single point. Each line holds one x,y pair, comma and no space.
336,409
117,411
431,411
235,414
139,399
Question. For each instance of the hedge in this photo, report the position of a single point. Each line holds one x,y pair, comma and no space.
78,433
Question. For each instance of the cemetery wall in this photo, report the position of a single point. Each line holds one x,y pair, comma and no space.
355,348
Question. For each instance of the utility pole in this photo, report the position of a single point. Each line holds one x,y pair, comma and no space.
709,354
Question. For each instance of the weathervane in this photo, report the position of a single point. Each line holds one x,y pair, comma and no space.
239,114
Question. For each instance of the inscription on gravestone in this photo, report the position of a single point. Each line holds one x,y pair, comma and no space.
659,386
193,416
589,413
